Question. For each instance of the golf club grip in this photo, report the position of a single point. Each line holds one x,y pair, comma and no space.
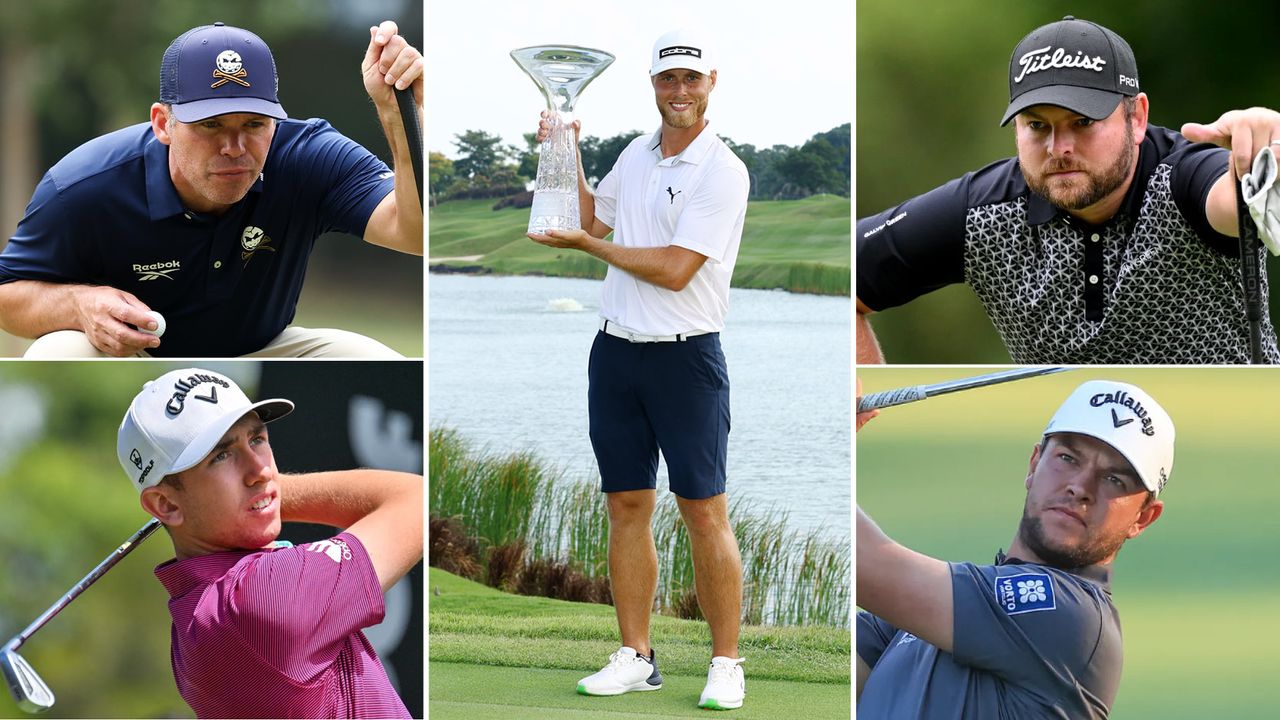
889,398
413,134
1250,273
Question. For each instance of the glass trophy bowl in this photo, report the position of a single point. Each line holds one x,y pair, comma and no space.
561,72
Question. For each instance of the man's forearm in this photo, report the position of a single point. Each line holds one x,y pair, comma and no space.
408,210
669,267
342,498
868,348
31,308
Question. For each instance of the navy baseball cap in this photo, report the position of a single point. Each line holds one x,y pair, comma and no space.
1075,64
218,69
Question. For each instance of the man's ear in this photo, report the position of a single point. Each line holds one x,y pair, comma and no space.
162,503
160,122
1031,465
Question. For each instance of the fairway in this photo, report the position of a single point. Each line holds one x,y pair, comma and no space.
1196,592
498,655
796,245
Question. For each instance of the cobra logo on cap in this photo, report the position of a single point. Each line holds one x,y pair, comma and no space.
679,50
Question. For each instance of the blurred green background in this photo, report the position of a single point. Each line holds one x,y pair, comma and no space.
67,505
71,70
1196,592
932,83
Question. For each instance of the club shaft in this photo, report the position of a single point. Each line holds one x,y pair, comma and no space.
901,396
413,134
125,548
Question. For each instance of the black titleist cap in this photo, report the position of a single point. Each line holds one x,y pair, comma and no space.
1074,64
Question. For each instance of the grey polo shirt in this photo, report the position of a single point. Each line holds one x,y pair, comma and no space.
1031,641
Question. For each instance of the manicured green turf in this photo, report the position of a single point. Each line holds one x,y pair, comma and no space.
475,692
493,653
1196,592
797,245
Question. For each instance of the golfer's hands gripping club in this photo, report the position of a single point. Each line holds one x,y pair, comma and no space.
390,63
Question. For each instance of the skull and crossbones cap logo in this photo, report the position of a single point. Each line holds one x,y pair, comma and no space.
218,69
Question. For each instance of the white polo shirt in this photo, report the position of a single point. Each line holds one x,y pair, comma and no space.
697,200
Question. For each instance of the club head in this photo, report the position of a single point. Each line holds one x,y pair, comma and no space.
26,687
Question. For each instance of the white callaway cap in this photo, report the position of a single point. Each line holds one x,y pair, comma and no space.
177,419
685,49
1126,418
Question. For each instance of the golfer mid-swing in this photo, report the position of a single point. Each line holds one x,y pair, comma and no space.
675,202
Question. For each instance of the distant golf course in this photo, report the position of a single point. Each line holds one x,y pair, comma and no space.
498,655
1196,592
794,245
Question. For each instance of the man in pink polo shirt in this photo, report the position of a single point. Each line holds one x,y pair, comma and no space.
262,629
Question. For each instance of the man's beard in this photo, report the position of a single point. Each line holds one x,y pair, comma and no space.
1097,186
1093,550
686,119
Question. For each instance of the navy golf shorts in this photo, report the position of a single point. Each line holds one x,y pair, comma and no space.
669,396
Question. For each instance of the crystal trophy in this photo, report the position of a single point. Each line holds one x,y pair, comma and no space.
561,72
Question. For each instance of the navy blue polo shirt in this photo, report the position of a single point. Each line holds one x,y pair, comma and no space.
1030,641
1153,284
108,214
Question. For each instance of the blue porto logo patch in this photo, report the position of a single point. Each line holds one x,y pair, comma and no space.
1025,593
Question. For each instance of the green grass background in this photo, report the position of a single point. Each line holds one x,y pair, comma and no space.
796,245
1197,592
498,655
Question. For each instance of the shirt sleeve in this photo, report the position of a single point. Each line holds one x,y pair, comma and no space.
1035,627
1195,169
297,606
708,222
912,249
354,180
49,243
873,636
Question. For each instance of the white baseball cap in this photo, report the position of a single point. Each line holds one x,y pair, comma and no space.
682,49
177,419
1126,418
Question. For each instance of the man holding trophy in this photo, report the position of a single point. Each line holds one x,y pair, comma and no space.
675,202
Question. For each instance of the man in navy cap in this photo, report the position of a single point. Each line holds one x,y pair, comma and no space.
198,224
1106,240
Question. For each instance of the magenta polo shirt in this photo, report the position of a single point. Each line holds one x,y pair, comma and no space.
276,633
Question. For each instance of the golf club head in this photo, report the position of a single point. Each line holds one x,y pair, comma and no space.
26,687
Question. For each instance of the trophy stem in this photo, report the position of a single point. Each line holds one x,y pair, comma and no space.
555,194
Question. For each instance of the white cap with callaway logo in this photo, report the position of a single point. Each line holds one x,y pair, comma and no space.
686,49
1126,418
177,419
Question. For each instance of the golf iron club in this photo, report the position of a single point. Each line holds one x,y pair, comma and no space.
28,690
1250,272
901,396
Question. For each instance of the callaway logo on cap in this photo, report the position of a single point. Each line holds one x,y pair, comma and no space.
218,69
1126,418
177,419
1074,64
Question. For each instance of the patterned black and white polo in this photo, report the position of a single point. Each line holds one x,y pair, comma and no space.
1155,284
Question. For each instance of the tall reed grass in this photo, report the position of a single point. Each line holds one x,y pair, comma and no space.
789,578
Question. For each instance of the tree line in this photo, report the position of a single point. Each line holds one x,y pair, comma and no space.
487,168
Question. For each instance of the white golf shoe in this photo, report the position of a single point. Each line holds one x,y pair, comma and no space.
625,672
725,685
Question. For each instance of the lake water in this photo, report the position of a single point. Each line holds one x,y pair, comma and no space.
508,369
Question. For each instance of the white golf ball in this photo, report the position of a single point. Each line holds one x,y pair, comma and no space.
160,324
